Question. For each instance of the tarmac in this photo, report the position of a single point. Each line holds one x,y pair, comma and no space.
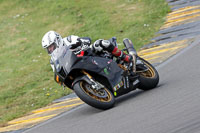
178,32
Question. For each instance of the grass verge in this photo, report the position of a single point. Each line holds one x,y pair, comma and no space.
26,76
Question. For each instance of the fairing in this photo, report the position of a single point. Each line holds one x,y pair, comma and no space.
67,61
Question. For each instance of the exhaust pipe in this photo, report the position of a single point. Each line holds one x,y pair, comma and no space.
129,45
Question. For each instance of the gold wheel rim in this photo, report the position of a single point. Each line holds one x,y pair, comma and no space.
107,99
150,73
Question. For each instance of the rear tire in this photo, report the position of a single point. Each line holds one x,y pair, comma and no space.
102,99
148,79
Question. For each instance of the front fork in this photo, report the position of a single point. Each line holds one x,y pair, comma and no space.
95,85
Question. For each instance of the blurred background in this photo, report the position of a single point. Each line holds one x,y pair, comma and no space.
26,76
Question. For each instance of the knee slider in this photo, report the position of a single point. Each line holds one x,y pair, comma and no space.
107,45
96,46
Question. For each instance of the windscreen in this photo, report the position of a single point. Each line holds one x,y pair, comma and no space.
63,57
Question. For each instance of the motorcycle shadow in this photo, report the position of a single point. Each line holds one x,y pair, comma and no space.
133,94
128,96
88,110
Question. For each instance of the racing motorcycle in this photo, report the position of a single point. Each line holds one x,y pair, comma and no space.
98,80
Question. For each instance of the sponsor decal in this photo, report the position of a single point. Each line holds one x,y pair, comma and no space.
94,62
119,85
109,61
136,82
106,71
127,81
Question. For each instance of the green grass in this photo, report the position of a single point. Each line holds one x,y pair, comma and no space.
26,76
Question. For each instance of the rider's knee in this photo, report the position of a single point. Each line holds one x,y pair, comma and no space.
101,45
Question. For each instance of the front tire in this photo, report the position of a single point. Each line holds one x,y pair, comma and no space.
148,78
102,99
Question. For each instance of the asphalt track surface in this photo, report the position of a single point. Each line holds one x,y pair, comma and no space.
172,107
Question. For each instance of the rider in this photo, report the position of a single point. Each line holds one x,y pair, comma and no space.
52,41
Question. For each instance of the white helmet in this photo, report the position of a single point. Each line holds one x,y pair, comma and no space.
51,40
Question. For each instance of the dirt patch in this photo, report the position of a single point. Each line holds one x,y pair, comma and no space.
131,8
121,6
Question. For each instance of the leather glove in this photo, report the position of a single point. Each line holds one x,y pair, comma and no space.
84,46
78,43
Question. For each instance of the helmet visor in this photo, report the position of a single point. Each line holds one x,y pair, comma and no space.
51,48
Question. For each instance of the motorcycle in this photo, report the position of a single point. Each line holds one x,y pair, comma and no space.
98,80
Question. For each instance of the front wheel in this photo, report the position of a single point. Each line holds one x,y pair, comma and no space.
101,99
149,76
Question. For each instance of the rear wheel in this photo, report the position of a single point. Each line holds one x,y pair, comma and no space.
149,76
101,99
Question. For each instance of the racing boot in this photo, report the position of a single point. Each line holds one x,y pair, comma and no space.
131,51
